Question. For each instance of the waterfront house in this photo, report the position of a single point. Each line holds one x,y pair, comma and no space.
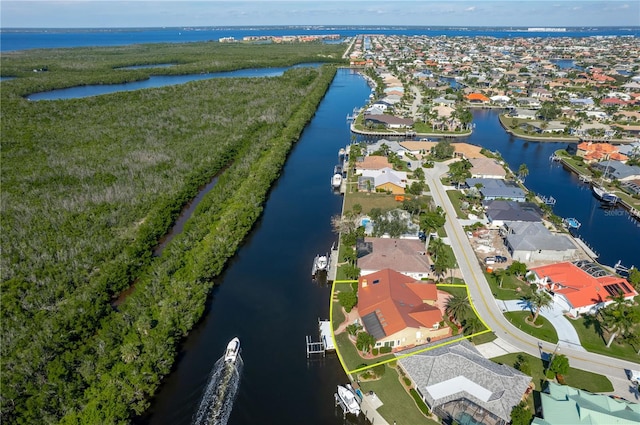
486,168
562,405
398,311
580,287
499,211
493,188
385,179
372,162
459,385
388,121
618,170
478,98
532,241
527,114
407,256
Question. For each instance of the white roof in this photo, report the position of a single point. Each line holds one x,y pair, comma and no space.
458,384
325,334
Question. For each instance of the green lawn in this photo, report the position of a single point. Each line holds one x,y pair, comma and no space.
338,316
593,341
575,377
399,406
370,200
457,198
351,356
512,287
546,332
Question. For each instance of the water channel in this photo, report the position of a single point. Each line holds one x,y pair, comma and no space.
266,296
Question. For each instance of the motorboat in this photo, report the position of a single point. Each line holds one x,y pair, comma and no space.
603,195
348,398
572,223
233,349
321,262
336,180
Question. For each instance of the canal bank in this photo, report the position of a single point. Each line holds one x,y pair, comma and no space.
612,233
266,296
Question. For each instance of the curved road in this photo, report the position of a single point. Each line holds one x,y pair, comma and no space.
490,312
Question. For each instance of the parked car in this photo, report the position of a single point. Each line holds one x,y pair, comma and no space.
490,260
501,259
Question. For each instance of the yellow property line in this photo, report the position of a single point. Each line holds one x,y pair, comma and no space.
342,362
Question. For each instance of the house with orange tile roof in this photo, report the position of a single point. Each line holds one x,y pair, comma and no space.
596,152
477,98
398,311
581,287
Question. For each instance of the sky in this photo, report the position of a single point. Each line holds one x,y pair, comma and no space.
180,13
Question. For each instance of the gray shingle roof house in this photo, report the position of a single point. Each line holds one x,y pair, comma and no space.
497,189
531,241
457,383
498,212
619,171
408,256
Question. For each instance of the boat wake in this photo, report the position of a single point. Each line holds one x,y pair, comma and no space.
221,390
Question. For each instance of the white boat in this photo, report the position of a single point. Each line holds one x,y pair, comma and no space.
603,195
348,398
321,262
233,349
336,180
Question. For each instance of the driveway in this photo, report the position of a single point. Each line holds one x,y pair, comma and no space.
567,335
490,311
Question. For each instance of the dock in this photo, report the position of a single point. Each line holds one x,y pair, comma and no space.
586,248
332,271
326,340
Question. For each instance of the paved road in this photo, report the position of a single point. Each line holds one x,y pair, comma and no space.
490,312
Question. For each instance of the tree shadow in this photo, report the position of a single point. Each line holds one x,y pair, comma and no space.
592,320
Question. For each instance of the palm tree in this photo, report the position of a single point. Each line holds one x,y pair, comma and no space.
458,307
472,325
618,319
523,172
537,300
499,274
437,248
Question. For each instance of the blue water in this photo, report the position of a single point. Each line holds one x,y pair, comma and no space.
612,233
156,81
20,39
266,296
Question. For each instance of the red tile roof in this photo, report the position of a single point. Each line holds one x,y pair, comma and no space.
397,300
579,287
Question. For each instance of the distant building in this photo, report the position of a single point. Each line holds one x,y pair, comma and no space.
389,121
562,405
618,171
460,386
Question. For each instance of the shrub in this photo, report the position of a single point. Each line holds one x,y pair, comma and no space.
347,300
407,381
385,350
374,351
423,407
379,370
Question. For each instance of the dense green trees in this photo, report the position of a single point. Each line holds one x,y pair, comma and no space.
89,187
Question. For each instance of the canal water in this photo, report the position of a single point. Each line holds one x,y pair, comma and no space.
266,296
611,232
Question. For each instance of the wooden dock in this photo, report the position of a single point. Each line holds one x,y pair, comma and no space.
332,271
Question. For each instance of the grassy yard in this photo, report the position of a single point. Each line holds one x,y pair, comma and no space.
399,406
351,356
337,315
512,287
575,377
595,339
546,332
457,198
370,200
